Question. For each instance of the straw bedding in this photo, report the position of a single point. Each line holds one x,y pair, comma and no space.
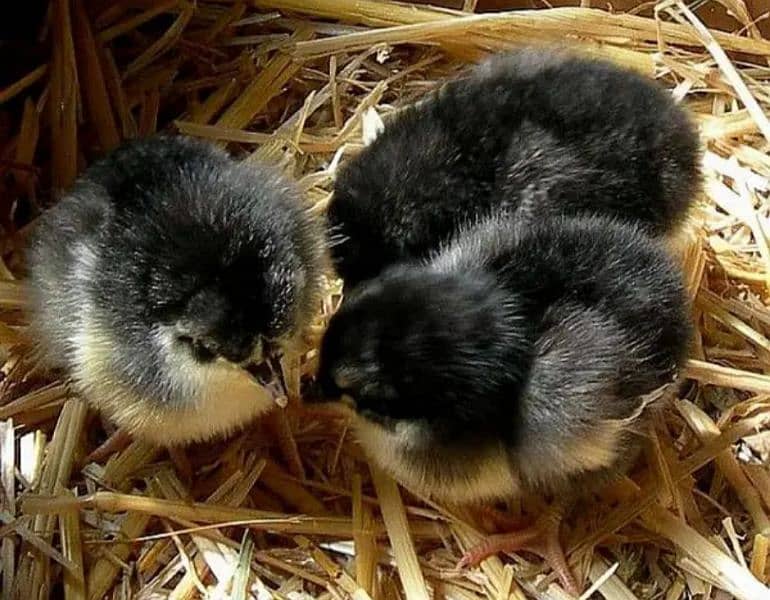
289,508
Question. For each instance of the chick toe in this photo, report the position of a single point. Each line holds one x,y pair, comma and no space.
117,441
541,538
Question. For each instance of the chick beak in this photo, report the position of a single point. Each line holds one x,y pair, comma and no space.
265,366
263,353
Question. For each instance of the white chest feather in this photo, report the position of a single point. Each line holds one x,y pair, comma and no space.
484,474
219,398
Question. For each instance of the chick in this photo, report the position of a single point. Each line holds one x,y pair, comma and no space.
536,132
165,267
514,361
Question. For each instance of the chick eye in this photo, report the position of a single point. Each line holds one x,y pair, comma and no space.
199,349
167,310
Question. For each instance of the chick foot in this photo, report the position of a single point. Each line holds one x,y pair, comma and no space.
118,441
541,538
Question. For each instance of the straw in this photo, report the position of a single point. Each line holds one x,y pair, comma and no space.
288,508
64,100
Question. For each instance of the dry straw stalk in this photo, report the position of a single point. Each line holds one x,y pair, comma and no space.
290,509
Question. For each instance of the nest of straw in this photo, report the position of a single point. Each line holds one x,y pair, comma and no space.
289,508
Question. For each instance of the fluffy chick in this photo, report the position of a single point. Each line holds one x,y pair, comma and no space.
536,131
166,265
513,361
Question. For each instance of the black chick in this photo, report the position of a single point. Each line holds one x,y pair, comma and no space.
537,132
512,362
165,266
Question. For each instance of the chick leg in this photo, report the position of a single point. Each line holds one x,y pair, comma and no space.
541,538
182,464
499,519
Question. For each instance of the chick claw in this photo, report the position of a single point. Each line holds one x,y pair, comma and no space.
117,442
541,538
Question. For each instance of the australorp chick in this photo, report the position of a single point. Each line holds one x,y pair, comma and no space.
513,361
536,132
165,266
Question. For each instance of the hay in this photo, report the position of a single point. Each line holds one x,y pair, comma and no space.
289,509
